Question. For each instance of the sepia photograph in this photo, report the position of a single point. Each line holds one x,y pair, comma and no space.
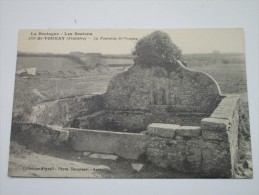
131,103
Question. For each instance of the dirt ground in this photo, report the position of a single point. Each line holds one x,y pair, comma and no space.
59,161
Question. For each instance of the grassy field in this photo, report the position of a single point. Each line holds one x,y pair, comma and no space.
228,70
62,76
65,76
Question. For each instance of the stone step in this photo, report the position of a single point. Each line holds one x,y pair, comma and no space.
137,166
104,156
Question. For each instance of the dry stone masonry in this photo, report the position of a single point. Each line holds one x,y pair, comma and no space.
61,112
209,150
181,90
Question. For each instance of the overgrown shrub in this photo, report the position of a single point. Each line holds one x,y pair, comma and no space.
157,49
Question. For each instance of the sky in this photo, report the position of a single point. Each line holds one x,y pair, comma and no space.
102,40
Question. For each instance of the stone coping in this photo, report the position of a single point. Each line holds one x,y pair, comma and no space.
70,129
226,107
171,130
222,116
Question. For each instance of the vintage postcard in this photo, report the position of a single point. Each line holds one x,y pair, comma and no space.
130,103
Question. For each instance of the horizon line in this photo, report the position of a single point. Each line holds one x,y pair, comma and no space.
123,53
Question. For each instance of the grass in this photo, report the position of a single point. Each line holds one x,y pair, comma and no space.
231,76
59,76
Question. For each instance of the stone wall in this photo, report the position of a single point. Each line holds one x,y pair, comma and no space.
193,91
170,147
182,90
209,150
62,112
130,90
222,126
35,134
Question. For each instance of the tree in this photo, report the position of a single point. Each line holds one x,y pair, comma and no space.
157,49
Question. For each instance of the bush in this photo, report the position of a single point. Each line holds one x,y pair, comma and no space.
157,49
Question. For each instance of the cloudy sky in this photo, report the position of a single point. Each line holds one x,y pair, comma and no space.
102,41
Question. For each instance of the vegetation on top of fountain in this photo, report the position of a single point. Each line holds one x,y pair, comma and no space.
157,49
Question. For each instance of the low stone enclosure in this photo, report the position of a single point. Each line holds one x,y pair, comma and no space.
177,120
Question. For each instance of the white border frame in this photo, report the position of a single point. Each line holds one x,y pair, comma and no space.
15,15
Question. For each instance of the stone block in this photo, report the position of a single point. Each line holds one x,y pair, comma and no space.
215,135
86,153
166,152
193,160
157,156
215,124
176,157
137,166
126,145
188,131
162,130
176,160
160,143
177,137
222,114
104,156
216,163
226,107
199,143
